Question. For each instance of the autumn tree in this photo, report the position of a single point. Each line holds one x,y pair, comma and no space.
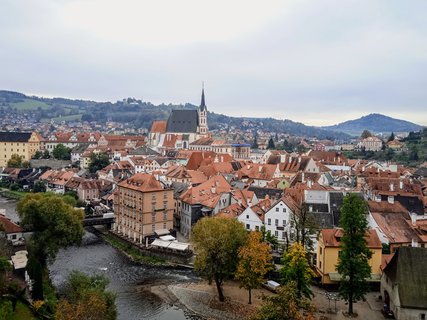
286,305
217,242
55,224
296,268
305,226
85,297
353,260
254,263
15,161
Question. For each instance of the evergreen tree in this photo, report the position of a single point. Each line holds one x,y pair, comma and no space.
391,138
271,145
366,134
353,260
255,143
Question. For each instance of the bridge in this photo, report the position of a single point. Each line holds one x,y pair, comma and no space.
98,221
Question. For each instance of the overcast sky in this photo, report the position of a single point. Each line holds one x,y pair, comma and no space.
318,62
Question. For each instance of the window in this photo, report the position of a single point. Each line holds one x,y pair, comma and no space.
284,222
13,236
276,233
284,209
423,316
320,264
248,226
165,215
269,222
164,225
283,234
153,227
321,250
276,222
256,228
247,216
277,209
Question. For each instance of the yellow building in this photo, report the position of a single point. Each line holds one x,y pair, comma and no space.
328,248
24,144
142,206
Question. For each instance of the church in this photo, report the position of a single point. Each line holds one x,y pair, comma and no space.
182,128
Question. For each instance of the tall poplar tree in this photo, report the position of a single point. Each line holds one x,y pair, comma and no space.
353,261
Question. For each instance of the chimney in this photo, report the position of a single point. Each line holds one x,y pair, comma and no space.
309,184
391,187
213,190
290,159
302,177
299,159
414,219
401,184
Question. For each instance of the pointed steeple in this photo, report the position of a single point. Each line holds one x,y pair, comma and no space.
202,103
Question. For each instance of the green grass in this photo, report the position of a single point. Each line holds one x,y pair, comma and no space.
30,104
22,312
71,117
132,251
13,194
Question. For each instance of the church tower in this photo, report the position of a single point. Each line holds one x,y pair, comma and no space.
203,115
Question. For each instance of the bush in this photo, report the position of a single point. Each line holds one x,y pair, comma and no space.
14,187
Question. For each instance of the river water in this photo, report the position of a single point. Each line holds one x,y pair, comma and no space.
128,280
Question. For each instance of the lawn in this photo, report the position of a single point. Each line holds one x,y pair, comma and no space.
30,104
71,117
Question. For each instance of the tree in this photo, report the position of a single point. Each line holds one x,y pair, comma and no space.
4,267
15,161
46,154
85,297
217,242
39,186
255,142
37,155
61,152
55,224
287,146
286,305
305,225
271,145
268,237
366,134
98,161
254,263
353,260
391,138
296,268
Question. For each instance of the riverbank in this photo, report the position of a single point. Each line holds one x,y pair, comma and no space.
132,253
202,299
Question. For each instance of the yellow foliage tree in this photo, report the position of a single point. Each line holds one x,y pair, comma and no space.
254,263
93,307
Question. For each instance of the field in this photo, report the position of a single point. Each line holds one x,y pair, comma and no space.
30,104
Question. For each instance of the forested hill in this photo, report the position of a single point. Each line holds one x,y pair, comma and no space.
141,114
376,123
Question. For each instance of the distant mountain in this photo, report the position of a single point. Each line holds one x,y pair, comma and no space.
376,123
141,114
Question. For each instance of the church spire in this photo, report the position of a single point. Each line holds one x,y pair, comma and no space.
202,103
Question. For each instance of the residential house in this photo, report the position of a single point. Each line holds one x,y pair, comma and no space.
329,247
206,199
142,205
279,218
404,284
10,230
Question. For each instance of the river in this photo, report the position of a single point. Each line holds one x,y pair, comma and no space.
128,280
